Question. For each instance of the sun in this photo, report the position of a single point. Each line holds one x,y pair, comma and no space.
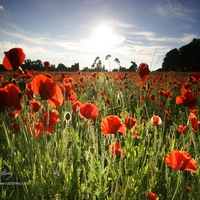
102,37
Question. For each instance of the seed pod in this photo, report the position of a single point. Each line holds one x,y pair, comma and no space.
119,101
67,116
131,97
107,78
22,85
20,95
124,76
148,85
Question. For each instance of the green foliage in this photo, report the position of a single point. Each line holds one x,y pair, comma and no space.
186,58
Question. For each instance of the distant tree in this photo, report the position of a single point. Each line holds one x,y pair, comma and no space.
115,70
61,67
118,62
53,67
133,67
75,67
186,56
27,63
93,66
37,65
97,65
171,60
86,69
122,69
108,58
190,56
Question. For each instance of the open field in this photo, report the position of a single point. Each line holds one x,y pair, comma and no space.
99,136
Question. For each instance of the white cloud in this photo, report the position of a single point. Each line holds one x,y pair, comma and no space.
17,32
32,39
176,10
154,37
1,7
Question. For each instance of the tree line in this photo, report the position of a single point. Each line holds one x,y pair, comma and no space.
97,65
38,65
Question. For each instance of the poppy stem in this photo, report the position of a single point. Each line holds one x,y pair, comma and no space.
177,186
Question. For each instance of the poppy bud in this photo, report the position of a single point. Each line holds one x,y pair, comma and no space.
13,59
131,97
20,95
119,101
148,85
22,85
124,76
67,116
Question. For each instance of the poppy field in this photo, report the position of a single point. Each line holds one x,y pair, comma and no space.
99,135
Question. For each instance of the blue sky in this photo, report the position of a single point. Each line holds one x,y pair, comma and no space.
71,31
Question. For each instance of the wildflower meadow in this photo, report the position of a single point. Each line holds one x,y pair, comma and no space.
99,135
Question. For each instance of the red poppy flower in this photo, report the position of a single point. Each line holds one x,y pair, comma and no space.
29,91
79,72
50,118
136,132
68,93
143,121
10,96
48,75
151,196
160,105
66,88
14,127
108,101
152,97
193,121
71,96
168,94
47,124
111,125
182,129
35,106
143,70
156,120
130,122
48,90
13,59
47,64
181,160
83,87
101,93
76,106
116,149
88,110
14,113
143,98
37,128
187,98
